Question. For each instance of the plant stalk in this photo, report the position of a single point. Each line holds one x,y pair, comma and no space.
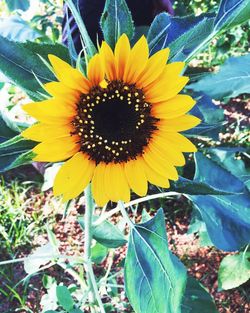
88,217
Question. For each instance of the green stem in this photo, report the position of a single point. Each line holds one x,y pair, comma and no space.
89,210
117,209
125,214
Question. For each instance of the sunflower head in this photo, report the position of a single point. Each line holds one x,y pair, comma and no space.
117,125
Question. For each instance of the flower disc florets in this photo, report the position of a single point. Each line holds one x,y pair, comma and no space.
114,123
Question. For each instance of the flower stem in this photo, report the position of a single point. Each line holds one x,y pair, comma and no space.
89,210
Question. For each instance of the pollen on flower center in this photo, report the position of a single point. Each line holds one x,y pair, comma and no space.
114,124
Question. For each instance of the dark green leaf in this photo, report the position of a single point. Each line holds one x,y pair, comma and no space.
191,187
64,298
16,29
18,4
76,311
227,159
232,13
181,35
232,80
227,217
116,20
197,299
98,253
106,233
20,63
148,263
234,270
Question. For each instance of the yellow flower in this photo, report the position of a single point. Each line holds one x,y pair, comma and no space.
117,126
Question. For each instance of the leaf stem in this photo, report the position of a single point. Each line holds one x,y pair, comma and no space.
125,214
117,209
88,217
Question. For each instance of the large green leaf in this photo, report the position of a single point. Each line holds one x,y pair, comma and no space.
197,299
226,157
227,217
116,20
212,117
232,80
234,270
14,149
18,4
232,13
20,62
181,34
154,279
186,36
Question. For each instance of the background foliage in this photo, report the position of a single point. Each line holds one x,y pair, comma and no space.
213,38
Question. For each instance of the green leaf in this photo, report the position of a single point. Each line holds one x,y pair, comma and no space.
227,217
197,299
87,42
16,29
191,187
21,64
232,80
187,36
116,20
212,118
76,311
18,5
15,152
41,256
232,13
106,233
182,35
226,157
98,253
234,270
64,298
148,263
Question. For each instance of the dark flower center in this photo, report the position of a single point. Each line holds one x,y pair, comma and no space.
114,123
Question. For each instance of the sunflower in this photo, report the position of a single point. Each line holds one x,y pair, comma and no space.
117,126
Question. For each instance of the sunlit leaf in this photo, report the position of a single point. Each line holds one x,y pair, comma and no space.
234,270
148,263
232,79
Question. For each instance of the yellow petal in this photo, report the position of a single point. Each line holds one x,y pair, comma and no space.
58,89
116,184
174,107
154,177
155,159
108,61
173,155
68,75
51,111
73,176
136,177
95,70
153,69
55,150
178,124
122,52
41,132
137,60
165,89
180,142
98,185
